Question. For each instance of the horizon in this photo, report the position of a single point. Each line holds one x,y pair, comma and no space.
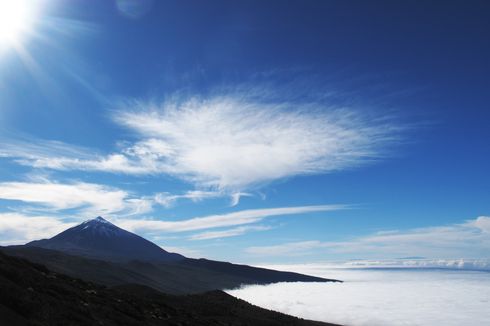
259,133
319,267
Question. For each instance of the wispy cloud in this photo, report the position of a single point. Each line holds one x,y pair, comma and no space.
18,228
30,151
469,239
223,220
228,233
168,200
235,143
57,155
228,143
90,198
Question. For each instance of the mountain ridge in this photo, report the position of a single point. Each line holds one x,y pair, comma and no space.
98,251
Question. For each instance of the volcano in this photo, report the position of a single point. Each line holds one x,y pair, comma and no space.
100,239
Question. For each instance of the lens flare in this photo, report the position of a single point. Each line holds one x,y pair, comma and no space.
15,20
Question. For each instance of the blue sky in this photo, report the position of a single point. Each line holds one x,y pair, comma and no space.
251,131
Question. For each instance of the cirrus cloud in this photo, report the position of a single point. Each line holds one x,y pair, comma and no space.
233,143
227,143
94,199
248,216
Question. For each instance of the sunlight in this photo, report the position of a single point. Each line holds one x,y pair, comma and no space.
15,19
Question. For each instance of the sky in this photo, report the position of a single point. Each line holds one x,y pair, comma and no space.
250,131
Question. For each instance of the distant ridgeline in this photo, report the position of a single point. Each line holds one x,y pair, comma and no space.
101,252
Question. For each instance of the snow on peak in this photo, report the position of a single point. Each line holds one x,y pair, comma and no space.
101,226
97,220
100,219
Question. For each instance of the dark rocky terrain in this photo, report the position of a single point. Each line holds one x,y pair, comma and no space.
182,277
32,295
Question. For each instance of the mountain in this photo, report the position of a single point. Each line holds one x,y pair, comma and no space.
100,252
99,238
32,295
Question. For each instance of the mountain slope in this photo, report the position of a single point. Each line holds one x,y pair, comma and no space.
32,295
101,252
98,238
180,277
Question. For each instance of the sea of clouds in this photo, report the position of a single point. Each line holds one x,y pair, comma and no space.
383,295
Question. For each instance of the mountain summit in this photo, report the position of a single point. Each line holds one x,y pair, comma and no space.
99,238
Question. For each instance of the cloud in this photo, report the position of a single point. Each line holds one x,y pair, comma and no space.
58,155
29,151
228,233
221,220
236,196
168,200
228,143
482,223
471,238
326,268
92,198
461,263
381,297
18,229
236,143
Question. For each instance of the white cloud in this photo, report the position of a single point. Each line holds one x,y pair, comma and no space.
461,263
57,155
222,220
30,150
92,198
482,223
236,196
234,143
458,240
335,268
230,143
19,229
228,233
381,298
168,200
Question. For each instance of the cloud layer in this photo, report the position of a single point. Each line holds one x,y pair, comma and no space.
380,297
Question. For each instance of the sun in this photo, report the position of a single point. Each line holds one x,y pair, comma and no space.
15,20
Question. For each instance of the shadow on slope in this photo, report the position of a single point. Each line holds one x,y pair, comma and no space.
181,277
30,294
